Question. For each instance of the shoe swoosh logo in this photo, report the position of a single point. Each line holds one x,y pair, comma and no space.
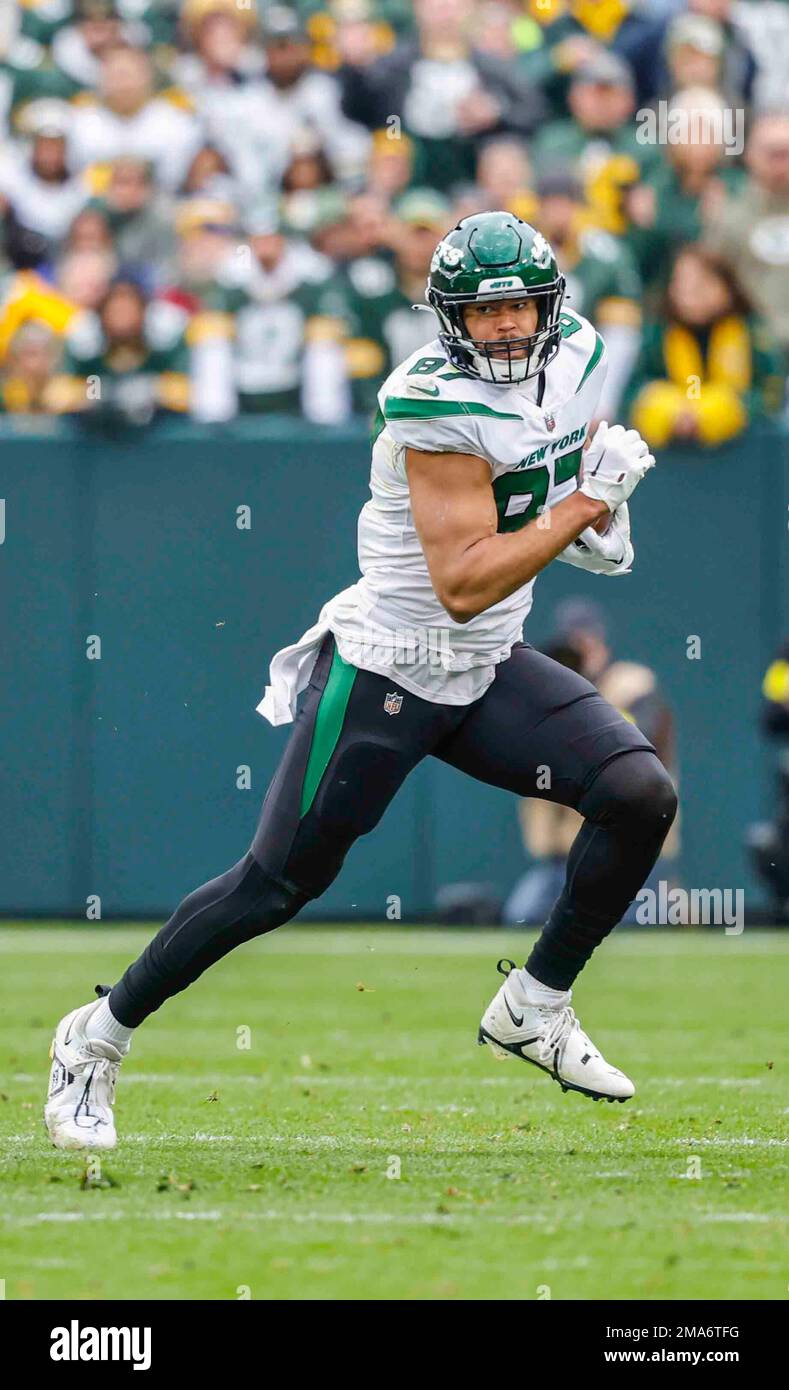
427,390
517,1021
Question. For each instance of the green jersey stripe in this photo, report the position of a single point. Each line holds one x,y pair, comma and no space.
403,408
328,725
593,361
378,425
566,467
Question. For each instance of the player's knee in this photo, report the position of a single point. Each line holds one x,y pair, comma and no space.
256,902
661,800
273,908
636,793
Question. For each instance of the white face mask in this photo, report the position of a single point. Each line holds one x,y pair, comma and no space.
504,373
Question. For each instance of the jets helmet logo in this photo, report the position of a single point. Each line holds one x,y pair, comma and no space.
446,257
393,703
541,252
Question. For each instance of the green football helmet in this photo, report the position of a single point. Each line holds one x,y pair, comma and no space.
490,256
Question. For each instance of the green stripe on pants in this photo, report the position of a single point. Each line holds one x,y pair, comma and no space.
328,725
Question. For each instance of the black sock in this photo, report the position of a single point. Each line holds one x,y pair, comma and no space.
629,810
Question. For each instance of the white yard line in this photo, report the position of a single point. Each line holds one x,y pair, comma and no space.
703,1081
410,1144
328,941
299,1218
736,1216
386,1079
351,1218
152,1139
741,1141
215,1079
617,1173
110,1215
422,1145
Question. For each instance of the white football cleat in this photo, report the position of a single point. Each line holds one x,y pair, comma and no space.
78,1112
550,1038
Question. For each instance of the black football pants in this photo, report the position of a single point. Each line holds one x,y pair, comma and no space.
540,730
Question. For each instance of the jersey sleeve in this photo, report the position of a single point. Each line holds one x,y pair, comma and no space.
435,416
592,367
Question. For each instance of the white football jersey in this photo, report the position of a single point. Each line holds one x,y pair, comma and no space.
391,621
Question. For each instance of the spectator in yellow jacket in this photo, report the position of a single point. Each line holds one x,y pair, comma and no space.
706,367
31,363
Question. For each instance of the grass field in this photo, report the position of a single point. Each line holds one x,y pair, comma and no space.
268,1169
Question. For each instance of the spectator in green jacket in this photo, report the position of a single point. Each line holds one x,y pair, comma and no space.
598,140
603,282
382,325
129,363
683,193
751,227
706,365
448,94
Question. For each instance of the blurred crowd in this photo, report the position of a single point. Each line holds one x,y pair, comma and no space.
582,642
224,207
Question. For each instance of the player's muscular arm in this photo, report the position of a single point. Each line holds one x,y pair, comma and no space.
471,565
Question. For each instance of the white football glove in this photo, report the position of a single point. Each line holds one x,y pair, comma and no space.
614,464
609,554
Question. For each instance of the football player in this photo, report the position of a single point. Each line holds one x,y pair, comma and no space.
479,480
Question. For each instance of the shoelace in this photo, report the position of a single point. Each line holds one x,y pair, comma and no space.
562,1025
105,1071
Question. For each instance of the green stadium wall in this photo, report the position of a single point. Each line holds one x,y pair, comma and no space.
119,774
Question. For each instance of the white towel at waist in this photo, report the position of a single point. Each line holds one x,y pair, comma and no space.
291,668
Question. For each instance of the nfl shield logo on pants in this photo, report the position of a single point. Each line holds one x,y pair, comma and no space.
393,703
